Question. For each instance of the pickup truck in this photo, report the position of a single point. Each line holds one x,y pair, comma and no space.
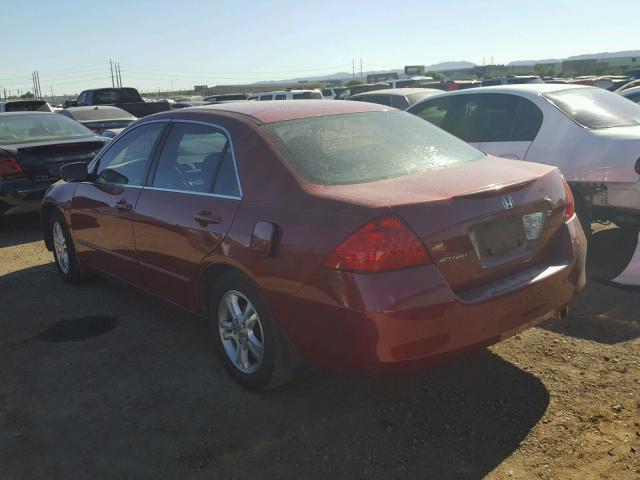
125,98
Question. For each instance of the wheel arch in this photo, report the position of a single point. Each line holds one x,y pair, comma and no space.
46,213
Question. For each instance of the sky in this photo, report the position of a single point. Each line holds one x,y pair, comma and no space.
162,44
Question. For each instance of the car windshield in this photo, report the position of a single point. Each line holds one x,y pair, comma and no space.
596,108
36,128
366,147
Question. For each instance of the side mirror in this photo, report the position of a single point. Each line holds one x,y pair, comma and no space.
74,172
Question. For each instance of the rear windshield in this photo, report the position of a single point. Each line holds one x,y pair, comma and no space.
27,106
35,128
99,113
596,108
307,96
115,95
366,147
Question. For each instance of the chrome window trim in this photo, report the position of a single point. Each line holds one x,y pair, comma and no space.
132,126
188,192
160,189
233,158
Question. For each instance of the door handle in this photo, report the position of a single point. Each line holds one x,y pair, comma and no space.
123,206
205,218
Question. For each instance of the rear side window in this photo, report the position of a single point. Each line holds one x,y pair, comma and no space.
491,117
191,158
265,97
126,161
399,102
595,107
281,96
434,111
327,92
366,147
634,98
379,99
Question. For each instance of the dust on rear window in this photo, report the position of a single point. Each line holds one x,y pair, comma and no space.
596,108
366,147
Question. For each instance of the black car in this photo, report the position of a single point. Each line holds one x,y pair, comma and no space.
33,147
100,119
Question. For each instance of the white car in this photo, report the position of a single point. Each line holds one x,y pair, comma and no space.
590,134
332,93
632,94
287,95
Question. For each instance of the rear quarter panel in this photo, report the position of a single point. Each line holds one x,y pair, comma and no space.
582,155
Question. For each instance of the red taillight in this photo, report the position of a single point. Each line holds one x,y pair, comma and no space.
380,245
570,209
9,166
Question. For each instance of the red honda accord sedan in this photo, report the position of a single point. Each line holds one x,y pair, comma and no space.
340,234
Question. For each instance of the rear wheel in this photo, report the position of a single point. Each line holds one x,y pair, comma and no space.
248,341
583,214
64,254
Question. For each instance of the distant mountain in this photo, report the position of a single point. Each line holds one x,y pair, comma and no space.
586,56
444,66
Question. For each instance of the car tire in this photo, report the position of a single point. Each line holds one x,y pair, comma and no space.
584,216
64,253
251,346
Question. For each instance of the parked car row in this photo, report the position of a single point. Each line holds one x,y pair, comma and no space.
406,223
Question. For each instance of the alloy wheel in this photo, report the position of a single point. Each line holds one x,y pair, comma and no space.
241,332
60,247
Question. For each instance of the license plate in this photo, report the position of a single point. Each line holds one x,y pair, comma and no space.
497,237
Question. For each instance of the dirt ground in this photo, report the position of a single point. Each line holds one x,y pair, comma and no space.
148,399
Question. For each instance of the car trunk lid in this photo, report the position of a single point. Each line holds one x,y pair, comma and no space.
480,220
42,161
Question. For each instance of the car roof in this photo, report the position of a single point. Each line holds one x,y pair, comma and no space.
401,92
524,88
269,112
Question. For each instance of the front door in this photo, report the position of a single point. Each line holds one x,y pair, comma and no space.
102,210
186,211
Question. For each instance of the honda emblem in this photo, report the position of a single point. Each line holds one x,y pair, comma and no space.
507,202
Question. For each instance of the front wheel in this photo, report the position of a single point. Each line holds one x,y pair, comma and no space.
247,339
64,254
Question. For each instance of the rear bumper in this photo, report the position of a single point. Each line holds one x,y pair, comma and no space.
411,319
21,195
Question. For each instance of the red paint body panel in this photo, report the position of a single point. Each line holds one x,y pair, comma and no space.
404,319
103,230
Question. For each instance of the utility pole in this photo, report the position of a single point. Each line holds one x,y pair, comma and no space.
119,76
39,87
353,67
51,92
111,68
361,77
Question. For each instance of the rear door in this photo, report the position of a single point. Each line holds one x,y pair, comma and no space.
500,124
187,209
102,210
507,124
453,113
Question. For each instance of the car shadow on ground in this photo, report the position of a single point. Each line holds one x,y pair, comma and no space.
19,229
147,398
604,313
